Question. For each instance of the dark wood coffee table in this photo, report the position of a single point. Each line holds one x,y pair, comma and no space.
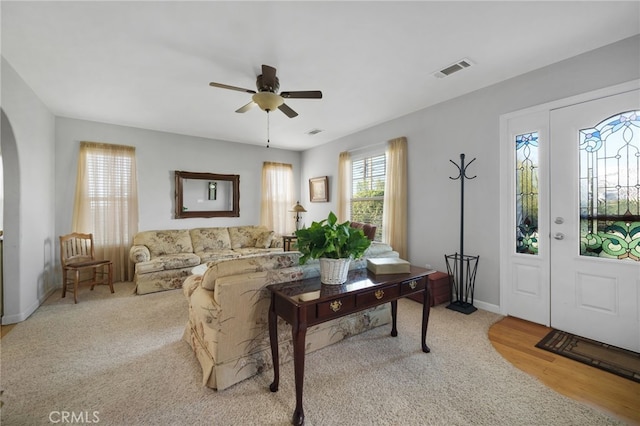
308,302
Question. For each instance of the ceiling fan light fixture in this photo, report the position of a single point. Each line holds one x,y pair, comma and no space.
267,101
267,98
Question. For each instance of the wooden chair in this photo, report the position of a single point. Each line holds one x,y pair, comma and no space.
76,255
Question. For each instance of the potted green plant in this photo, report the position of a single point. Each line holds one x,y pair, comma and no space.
334,244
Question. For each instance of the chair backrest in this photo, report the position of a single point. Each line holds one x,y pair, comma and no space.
368,229
76,247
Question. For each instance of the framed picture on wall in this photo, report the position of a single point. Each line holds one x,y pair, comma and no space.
319,189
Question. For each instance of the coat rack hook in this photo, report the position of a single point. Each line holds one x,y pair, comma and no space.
462,169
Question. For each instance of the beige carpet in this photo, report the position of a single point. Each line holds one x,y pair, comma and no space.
119,360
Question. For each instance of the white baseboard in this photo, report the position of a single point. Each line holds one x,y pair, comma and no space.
21,316
484,306
487,306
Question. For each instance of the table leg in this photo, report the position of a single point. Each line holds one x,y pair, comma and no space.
299,331
273,338
426,309
394,317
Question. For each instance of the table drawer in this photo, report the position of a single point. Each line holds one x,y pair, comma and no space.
411,286
373,297
335,307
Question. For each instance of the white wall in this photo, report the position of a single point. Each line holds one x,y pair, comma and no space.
158,155
29,238
469,125
1,192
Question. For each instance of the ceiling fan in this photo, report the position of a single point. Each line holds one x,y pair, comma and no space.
267,96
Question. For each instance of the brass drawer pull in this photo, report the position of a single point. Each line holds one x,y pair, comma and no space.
379,294
335,305
413,284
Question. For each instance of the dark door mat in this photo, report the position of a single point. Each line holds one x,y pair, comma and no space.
615,360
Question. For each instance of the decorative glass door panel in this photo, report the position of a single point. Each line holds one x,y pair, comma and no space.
527,193
610,188
526,246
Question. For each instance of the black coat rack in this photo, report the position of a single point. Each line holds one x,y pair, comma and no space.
462,285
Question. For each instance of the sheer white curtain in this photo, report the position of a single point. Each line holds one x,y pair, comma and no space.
106,202
344,187
394,218
277,197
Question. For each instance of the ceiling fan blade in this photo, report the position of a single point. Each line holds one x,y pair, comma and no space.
269,76
306,94
288,111
246,107
226,86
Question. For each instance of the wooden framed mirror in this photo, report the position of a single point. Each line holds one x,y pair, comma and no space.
206,195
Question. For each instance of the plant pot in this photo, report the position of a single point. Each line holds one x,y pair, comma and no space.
334,271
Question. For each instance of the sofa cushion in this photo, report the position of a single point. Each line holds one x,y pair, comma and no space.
378,249
264,239
210,239
243,265
245,236
213,255
276,241
161,243
149,266
163,263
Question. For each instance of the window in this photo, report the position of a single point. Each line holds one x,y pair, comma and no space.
106,203
527,193
610,188
277,197
109,181
368,175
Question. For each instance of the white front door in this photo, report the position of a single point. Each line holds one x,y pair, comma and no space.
595,222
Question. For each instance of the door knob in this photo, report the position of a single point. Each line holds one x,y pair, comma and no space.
559,236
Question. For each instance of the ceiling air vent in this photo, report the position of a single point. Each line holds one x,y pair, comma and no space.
314,132
447,71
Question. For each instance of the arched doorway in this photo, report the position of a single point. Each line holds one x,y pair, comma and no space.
10,270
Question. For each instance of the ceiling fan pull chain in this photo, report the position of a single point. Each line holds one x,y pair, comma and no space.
268,138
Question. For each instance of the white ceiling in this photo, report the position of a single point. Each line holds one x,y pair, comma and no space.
149,64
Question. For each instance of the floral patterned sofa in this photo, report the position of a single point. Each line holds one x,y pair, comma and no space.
163,259
228,314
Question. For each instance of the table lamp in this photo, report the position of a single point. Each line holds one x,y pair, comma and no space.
297,209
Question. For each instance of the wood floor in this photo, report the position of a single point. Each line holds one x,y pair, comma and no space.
515,340
4,329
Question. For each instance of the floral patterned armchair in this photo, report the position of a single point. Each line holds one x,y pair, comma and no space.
228,314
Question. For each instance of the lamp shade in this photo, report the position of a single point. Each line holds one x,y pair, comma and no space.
298,208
